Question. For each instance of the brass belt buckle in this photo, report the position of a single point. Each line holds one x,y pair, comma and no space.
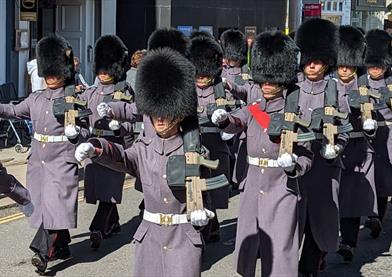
263,162
98,132
166,219
44,138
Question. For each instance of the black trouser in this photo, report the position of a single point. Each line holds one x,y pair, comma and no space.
47,242
382,204
311,255
106,219
211,230
349,229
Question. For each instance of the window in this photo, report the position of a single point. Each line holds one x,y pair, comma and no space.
328,6
340,6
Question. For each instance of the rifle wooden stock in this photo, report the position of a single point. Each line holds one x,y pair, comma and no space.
329,132
366,111
70,117
120,95
194,198
287,142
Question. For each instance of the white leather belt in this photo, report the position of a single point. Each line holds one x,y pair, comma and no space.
262,162
101,132
165,219
384,123
46,138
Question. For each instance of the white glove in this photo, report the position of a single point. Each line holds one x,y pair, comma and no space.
219,116
104,109
27,209
114,125
369,125
330,151
71,131
84,151
287,161
226,136
201,217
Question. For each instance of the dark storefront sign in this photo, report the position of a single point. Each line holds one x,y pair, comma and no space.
370,5
28,10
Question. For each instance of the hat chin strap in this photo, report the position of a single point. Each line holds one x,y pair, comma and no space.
376,77
349,76
108,80
322,70
164,132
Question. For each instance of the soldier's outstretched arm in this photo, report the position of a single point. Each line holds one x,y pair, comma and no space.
126,112
114,156
235,122
239,92
18,111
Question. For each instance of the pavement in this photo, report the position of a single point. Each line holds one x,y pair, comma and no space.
115,257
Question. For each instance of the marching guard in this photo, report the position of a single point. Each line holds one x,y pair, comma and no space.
319,104
357,193
268,216
378,61
166,243
52,170
111,58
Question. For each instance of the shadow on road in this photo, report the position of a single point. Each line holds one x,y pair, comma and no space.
367,252
214,252
82,253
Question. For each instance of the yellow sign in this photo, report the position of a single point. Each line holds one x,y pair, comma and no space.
337,19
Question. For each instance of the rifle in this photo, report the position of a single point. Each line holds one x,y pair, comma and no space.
184,170
119,94
221,102
362,99
70,107
285,125
325,118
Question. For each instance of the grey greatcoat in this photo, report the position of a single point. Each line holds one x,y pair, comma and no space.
357,193
383,147
218,148
248,93
268,214
52,170
320,186
97,177
159,250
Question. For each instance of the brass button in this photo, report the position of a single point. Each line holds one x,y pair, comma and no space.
164,176
165,248
45,129
262,192
43,162
165,200
47,112
43,145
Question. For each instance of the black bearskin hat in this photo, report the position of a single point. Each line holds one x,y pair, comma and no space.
55,58
111,56
206,55
274,58
318,38
234,45
171,38
351,48
378,48
201,34
165,85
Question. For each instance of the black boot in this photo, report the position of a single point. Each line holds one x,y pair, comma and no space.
375,225
96,239
347,252
40,263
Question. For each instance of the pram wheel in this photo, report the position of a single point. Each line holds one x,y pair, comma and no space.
20,149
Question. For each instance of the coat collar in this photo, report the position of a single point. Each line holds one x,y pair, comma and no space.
313,87
347,88
275,105
105,89
205,92
376,84
167,146
53,93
